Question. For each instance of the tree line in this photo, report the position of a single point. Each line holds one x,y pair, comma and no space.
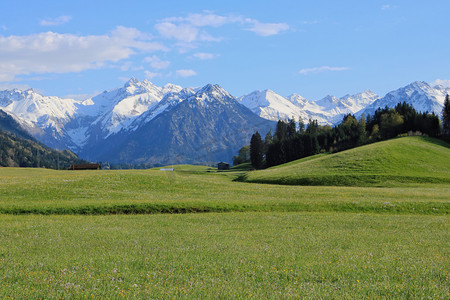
19,152
294,140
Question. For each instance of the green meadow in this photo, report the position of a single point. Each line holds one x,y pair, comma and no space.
198,233
395,162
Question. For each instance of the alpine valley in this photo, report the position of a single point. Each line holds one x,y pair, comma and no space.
141,123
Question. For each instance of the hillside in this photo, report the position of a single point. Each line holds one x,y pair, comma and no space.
407,160
19,152
8,124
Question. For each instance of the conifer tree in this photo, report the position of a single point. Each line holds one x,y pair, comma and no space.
256,151
446,118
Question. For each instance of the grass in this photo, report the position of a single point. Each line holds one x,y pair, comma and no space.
101,234
41,191
396,162
262,255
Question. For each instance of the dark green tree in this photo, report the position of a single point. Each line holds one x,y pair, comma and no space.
243,157
256,151
281,130
446,118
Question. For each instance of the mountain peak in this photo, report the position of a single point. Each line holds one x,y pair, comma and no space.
215,91
132,82
421,85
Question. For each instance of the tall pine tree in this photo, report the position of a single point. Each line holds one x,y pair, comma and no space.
446,118
256,151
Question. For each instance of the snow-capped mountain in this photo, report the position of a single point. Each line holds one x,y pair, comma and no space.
33,108
269,105
419,94
169,101
202,127
336,108
116,109
44,117
329,110
141,122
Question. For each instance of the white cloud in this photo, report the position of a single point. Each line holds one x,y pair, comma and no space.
150,75
443,82
185,73
310,22
322,69
204,56
189,29
385,7
182,32
55,21
266,29
51,52
12,85
205,19
156,62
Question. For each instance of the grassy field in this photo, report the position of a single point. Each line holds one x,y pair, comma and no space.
114,234
408,160
230,255
192,190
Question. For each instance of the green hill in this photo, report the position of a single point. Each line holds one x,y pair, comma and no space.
408,160
16,151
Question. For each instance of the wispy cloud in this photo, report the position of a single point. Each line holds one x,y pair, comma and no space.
310,22
13,85
322,69
185,73
266,29
192,28
55,21
51,52
150,75
156,62
204,56
443,82
385,7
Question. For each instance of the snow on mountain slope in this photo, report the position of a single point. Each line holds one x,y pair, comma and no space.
42,111
114,114
336,108
170,100
116,109
419,94
191,127
269,105
329,110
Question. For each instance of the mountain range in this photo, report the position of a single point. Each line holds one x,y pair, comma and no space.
143,123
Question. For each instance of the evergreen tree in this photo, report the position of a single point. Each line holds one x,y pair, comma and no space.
281,130
301,125
446,118
256,151
291,130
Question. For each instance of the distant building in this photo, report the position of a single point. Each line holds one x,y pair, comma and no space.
223,166
85,167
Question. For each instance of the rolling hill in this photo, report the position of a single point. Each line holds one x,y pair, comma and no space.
408,160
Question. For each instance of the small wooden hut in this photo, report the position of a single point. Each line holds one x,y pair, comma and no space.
85,167
223,166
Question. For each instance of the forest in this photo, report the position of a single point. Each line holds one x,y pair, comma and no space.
294,139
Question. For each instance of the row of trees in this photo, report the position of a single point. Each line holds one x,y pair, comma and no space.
293,140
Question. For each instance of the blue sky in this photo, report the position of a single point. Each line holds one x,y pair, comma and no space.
312,48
